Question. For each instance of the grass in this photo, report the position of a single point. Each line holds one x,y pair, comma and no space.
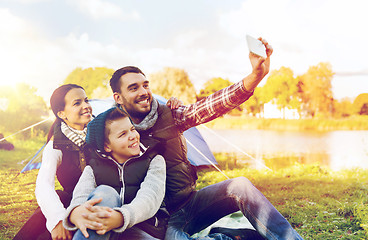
319,203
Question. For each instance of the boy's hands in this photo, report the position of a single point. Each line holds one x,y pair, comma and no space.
98,218
115,220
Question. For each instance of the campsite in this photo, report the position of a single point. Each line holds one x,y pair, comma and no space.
295,123
318,202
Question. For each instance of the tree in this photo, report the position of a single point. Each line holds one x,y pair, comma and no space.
23,108
212,86
95,81
343,108
254,105
360,104
317,90
173,82
282,87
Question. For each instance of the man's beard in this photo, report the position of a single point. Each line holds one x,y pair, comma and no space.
139,114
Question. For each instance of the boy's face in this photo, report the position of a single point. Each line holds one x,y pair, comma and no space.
123,140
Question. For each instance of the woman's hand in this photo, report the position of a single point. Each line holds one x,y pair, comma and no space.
60,233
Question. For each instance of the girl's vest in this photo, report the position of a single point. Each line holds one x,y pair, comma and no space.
73,160
181,176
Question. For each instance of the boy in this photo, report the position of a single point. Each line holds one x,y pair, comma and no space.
126,178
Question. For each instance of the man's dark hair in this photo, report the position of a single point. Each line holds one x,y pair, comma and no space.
115,83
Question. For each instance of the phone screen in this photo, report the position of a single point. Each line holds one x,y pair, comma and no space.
255,46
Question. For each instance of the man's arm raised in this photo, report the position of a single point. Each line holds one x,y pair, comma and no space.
224,100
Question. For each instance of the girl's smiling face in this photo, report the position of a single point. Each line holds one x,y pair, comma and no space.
77,112
123,140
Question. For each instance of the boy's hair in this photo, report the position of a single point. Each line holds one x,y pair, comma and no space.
97,132
112,116
115,82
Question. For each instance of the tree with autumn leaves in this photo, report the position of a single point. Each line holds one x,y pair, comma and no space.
316,90
309,93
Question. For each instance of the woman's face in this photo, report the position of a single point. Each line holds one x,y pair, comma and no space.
77,112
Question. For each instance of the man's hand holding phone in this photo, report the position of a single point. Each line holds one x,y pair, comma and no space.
256,46
259,56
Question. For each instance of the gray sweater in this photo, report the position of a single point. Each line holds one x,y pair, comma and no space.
144,206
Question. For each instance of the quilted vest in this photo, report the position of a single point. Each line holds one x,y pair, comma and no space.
181,176
73,160
126,178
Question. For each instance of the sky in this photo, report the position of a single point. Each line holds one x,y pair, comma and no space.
42,41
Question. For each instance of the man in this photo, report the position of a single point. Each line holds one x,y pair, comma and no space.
191,211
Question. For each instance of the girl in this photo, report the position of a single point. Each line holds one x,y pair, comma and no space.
62,157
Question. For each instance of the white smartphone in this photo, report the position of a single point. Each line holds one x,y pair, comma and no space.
255,46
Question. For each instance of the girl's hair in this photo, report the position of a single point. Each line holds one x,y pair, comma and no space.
57,103
114,115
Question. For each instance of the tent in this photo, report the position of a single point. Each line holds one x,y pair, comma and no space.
199,153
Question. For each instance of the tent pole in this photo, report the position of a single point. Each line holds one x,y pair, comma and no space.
236,147
24,129
218,169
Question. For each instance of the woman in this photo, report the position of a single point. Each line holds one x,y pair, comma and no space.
62,157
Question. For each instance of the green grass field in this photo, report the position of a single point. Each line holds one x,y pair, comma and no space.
319,203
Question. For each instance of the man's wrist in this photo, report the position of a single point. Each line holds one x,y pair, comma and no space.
251,81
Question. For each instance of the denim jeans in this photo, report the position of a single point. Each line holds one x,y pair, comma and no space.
111,198
218,200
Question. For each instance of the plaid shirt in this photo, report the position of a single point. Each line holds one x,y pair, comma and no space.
211,107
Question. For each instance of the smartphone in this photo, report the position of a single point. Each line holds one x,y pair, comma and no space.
255,46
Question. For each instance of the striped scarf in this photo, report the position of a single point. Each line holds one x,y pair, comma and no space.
78,137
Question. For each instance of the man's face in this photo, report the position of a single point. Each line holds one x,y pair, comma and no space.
135,95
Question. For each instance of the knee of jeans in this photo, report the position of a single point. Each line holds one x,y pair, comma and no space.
110,197
240,183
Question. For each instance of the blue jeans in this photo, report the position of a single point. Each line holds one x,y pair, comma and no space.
218,200
111,198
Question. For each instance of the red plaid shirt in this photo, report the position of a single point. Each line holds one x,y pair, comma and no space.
211,107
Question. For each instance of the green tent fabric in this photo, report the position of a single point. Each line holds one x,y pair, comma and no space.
234,220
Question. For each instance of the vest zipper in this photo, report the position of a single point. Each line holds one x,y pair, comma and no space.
121,171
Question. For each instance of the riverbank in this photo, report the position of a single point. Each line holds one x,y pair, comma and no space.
351,123
319,203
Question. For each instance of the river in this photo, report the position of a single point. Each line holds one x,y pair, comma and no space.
277,149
